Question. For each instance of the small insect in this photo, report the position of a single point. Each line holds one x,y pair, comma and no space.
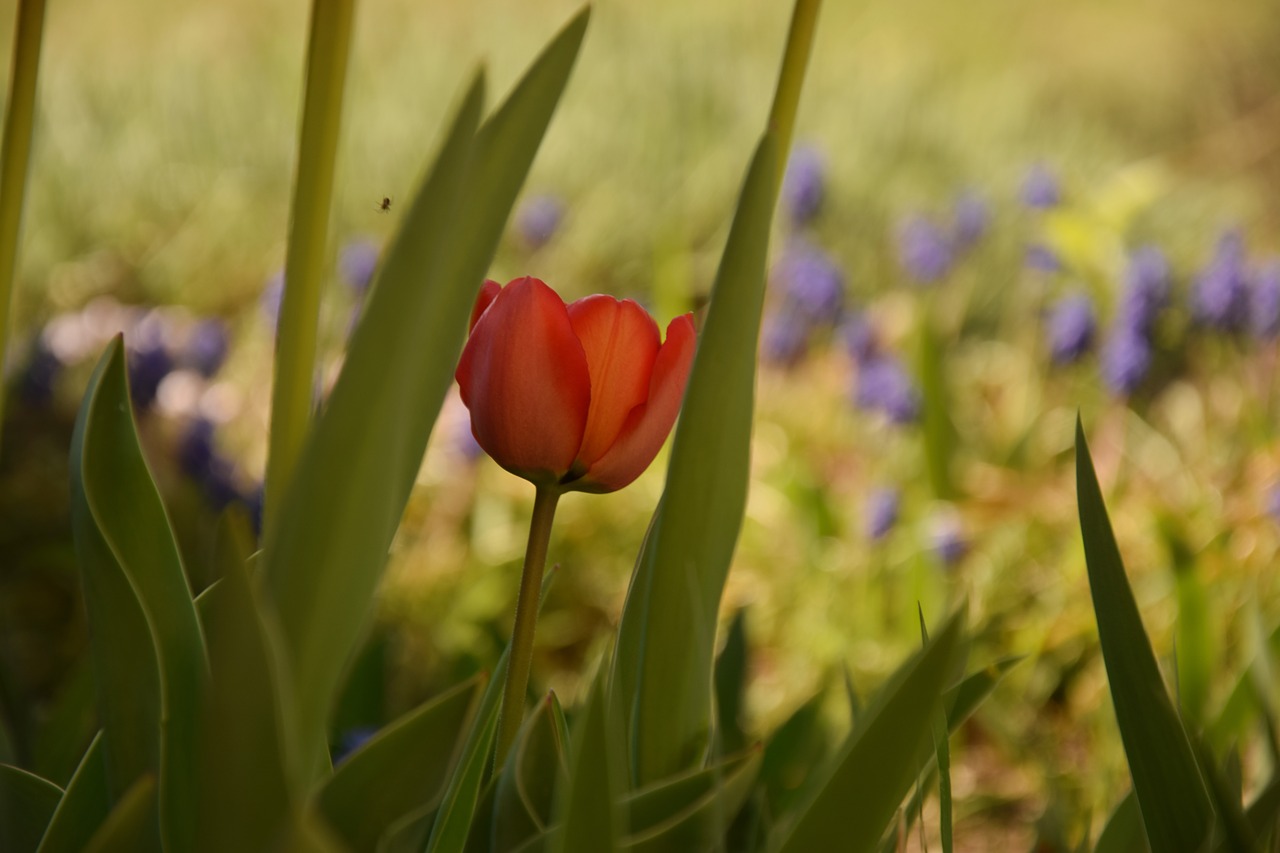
385,204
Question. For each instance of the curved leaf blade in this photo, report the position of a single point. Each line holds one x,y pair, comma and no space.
590,817
694,811
1170,790
128,827
84,805
525,790
27,802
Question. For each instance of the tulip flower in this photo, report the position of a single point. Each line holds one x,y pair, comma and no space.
576,397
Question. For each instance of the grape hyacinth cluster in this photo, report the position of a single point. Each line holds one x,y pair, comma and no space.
538,220
1072,325
1220,298
1041,188
805,186
1128,352
925,250
883,506
811,298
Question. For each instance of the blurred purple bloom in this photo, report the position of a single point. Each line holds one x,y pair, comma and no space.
1040,187
272,296
357,262
785,338
804,186
199,459
947,540
882,512
1072,325
859,338
884,386
538,220
253,502
464,443
1221,296
1040,257
36,383
1265,301
148,364
207,347
924,250
813,285
1273,502
1146,289
971,216
1126,359
351,740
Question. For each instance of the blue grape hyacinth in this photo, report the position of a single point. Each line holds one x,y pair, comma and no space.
883,385
1040,257
1040,187
784,340
947,539
924,250
881,512
1126,359
1264,307
207,347
1072,325
971,217
812,284
1220,299
357,263
859,337
538,220
805,184
1147,284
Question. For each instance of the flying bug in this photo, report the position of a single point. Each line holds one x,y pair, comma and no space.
385,204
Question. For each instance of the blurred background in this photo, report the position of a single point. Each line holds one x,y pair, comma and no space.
997,214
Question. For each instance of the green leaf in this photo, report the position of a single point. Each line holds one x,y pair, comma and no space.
126,551
942,752
1193,639
730,686
963,699
402,768
1236,833
694,810
794,753
27,802
83,806
877,764
937,430
360,461
245,744
1171,793
588,808
1123,832
62,736
524,793
664,676
129,826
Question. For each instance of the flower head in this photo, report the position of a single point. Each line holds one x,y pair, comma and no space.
1040,187
1264,307
576,397
884,386
924,250
206,347
1221,295
784,340
1126,359
1040,257
947,539
1146,289
1071,328
538,220
882,512
357,262
971,217
812,283
804,186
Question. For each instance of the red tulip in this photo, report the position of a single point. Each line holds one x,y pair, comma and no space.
571,397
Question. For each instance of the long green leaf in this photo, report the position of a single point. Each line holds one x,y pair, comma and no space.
875,768
27,802
589,816
403,767
523,795
15,153
664,679
83,806
1123,831
1171,793
324,557
730,686
245,744
128,827
126,550
693,811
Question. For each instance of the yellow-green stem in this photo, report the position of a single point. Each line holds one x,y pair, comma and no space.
786,98
307,253
511,712
15,154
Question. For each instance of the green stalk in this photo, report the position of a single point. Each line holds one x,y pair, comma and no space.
786,98
15,154
511,712
307,253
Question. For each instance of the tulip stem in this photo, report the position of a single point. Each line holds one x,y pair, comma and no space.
511,712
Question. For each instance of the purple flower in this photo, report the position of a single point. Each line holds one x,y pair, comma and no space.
1273,502
207,347
272,296
148,364
1040,187
357,263
804,187
538,220
924,250
351,740
1071,328
1040,257
859,338
1146,289
785,338
882,512
1264,300
1126,359
36,383
884,386
464,443
813,285
947,540
1221,295
970,218
200,460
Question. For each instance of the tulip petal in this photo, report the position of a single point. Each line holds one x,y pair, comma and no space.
648,425
488,292
524,377
621,341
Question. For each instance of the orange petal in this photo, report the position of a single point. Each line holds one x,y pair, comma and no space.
524,377
647,427
621,341
488,292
